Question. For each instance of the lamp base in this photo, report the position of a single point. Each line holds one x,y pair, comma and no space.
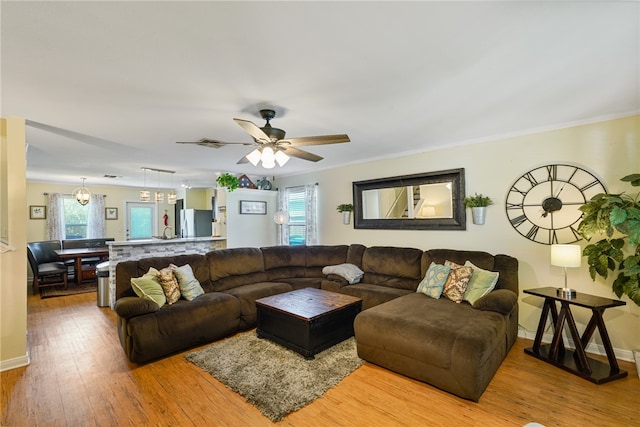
566,293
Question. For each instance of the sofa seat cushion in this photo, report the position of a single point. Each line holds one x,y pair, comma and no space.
452,346
303,282
371,295
179,326
248,294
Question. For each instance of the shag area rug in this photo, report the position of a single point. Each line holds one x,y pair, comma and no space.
72,289
272,378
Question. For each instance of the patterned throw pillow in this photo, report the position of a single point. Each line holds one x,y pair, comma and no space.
148,287
457,281
434,280
169,284
189,286
481,283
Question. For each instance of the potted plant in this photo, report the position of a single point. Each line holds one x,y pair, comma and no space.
345,209
617,217
228,181
478,204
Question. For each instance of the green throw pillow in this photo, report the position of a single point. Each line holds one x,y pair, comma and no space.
148,287
481,283
434,280
189,286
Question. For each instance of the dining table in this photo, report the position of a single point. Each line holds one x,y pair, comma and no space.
77,254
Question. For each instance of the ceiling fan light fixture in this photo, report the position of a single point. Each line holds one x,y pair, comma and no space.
268,156
254,157
281,158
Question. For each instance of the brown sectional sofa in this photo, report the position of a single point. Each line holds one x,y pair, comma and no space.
456,347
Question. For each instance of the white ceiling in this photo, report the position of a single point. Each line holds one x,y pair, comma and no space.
109,87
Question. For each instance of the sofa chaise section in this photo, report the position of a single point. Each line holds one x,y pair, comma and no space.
454,346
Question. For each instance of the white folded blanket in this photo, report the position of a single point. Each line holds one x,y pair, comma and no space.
349,272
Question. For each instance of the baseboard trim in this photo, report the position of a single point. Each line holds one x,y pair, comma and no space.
593,348
16,362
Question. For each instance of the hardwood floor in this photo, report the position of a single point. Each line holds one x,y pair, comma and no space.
79,376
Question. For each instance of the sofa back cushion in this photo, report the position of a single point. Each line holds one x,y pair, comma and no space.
284,261
230,268
393,267
320,256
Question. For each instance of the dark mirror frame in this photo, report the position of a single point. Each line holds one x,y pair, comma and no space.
455,176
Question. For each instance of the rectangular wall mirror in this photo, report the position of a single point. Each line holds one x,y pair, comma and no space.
425,201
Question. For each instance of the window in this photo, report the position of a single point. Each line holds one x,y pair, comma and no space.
296,206
75,218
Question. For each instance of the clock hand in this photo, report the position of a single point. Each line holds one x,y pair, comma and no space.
560,191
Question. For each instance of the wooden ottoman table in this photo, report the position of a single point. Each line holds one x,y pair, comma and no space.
307,320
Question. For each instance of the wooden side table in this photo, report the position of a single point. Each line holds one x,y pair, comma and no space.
575,361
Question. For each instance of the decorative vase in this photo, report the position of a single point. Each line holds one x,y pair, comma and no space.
346,217
636,357
479,214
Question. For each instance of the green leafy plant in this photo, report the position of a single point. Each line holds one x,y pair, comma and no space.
617,217
345,207
229,181
477,201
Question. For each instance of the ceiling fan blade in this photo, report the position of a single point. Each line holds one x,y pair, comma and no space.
253,130
305,155
316,140
213,143
242,161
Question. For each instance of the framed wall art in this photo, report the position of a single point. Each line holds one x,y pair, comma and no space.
37,212
248,207
110,213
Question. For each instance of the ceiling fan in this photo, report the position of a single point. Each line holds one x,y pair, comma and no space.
272,146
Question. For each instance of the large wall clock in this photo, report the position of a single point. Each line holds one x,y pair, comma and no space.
543,204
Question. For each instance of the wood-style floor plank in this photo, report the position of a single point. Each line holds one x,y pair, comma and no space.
79,376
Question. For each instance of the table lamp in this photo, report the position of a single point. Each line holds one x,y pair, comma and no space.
566,256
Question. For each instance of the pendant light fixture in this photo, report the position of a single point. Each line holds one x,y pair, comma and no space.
145,196
159,196
172,197
81,194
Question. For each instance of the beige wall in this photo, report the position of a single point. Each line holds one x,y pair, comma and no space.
116,197
609,149
13,263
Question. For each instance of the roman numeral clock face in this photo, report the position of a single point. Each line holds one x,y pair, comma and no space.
543,204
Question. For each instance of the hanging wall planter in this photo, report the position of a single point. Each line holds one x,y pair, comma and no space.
346,210
479,214
478,204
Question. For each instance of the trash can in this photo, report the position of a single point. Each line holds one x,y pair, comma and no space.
102,271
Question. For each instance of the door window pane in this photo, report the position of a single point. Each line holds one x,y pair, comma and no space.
141,222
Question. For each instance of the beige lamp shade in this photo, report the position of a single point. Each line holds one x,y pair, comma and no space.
566,255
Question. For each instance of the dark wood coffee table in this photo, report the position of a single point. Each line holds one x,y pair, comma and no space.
307,320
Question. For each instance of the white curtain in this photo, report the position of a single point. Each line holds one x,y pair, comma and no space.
311,214
283,230
95,217
55,218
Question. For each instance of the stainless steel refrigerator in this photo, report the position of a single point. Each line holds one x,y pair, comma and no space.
195,223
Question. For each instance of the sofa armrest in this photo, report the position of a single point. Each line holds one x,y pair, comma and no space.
500,300
335,278
128,307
